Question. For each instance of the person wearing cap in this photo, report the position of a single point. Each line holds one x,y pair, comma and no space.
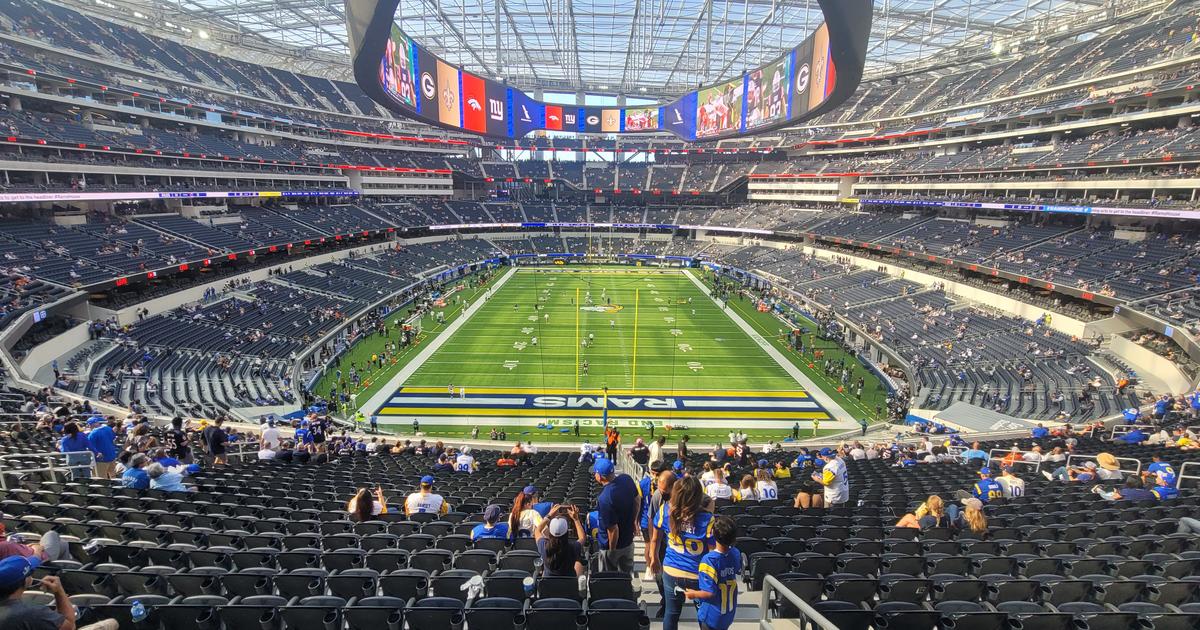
678,468
270,437
102,441
465,462
1012,485
970,517
1109,468
1082,474
135,476
491,527
985,489
561,556
1164,486
640,453
425,501
15,578
618,505
75,441
834,478
524,520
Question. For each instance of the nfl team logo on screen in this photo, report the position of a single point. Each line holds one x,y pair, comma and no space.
569,119
495,109
428,86
474,104
802,78
593,120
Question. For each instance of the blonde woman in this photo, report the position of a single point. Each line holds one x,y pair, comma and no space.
931,513
970,518
765,485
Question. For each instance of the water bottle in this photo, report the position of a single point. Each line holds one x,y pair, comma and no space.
137,611
529,584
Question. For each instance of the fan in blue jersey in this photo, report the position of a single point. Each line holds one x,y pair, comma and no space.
688,530
985,489
717,590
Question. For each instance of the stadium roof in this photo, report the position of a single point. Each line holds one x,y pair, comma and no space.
655,47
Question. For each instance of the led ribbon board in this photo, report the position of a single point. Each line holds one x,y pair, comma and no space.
806,81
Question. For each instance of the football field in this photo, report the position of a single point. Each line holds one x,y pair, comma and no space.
556,345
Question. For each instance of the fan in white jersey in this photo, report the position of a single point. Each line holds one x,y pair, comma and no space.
718,489
765,485
424,501
465,462
1012,485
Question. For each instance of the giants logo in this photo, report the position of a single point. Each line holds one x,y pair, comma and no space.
495,109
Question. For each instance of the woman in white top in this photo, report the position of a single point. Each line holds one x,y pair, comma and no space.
718,489
765,486
362,507
747,491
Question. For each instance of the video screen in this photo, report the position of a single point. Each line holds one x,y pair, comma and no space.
396,71
767,93
719,109
641,119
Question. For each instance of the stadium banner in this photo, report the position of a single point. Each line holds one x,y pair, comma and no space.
528,114
402,75
474,103
641,119
498,108
137,196
1158,213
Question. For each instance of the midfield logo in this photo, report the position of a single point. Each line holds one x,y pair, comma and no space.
597,402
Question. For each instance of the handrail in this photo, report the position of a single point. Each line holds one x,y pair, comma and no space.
771,585
51,467
1183,474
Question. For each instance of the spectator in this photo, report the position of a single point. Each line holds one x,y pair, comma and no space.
15,579
1136,436
681,449
1083,474
640,453
1012,485
688,530
76,442
465,462
362,507
524,521
970,518
618,505
443,464
216,440
49,547
167,480
975,453
270,437
657,548
1110,469
176,440
931,513
764,485
561,556
1164,487
781,471
135,476
1131,491
425,501
718,578
833,477
718,489
656,449
1039,432
490,528
746,490
102,440
986,489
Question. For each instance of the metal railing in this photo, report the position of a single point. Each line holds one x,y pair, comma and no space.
55,463
771,585
1183,473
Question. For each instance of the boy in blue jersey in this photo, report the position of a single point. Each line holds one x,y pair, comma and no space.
716,594
491,527
985,489
596,536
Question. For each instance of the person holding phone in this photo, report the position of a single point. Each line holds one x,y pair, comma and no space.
561,556
15,578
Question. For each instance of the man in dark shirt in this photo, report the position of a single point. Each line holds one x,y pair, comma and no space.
15,572
176,441
217,441
1133,490
618,506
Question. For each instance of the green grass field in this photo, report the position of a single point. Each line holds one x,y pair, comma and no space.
683,343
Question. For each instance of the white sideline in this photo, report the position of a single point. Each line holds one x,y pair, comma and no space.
842,419
423,354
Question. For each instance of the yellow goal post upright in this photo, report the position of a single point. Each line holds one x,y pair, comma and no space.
577,310
637,293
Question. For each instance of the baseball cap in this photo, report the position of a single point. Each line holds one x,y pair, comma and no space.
972,502
492,513
558,526
14,569
427,480
530,490
603,467
678,465
192,469
1089,464
465,449
762,463
826,452
94,420
985,471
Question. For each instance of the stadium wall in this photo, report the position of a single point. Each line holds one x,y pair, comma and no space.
1146,361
